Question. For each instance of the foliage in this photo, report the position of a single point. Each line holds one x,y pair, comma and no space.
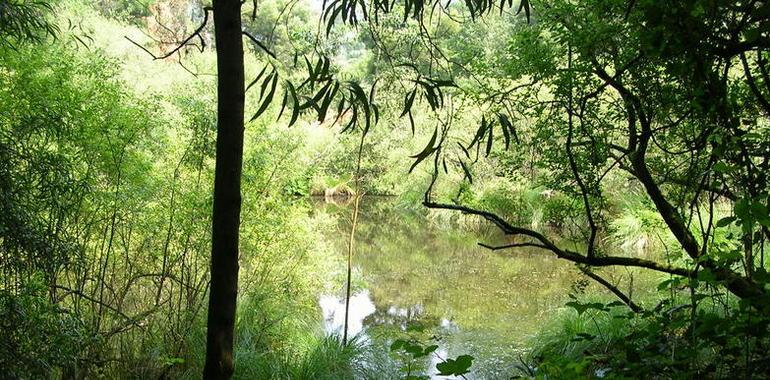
666,341
128,10
412,353
609,133
106,205
38,336
25,21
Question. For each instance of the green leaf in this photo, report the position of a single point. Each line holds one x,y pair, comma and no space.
268,98
413,349
411,121
455,367
489,141
667,284
295,109
583,307
524,5
283,103
725,221
397,344
721,167
317,98
360,96
257,78
506,131
427,151
742,209
468,155
467,172
327,102
408,101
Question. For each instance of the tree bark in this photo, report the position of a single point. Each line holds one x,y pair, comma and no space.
227,190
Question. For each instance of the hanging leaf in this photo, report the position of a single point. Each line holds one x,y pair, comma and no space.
506,133
427,151
327,101
295,101
376,110
360,95
411,121
489,141
318,96
352,123
408,101
464,150
524,5
283,103
257,78
266,83
479,133
467,171
506,124
267,99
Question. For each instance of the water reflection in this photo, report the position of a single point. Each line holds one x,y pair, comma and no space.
333,310
415,271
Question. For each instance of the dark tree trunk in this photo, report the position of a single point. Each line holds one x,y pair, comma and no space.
227,190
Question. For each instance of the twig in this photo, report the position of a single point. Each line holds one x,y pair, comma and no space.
260,44
184,43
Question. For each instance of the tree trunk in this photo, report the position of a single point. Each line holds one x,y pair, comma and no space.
227,190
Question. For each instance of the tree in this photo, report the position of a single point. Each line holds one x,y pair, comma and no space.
227,190
666,95
630,89
665,85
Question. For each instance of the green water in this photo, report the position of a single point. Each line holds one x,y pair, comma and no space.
413,269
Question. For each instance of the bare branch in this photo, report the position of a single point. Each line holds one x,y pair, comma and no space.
260,44
184,43
514,245
614,289
597,261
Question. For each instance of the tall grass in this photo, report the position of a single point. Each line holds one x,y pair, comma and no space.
296,353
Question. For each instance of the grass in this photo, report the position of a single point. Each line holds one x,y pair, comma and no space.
308,355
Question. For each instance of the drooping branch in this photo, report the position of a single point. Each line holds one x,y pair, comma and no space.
737,284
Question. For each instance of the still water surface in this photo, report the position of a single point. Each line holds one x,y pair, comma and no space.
419,276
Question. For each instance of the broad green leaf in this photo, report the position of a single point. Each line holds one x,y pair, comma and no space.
455,367
726,221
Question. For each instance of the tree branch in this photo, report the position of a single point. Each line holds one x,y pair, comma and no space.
184,43
565,254
614,289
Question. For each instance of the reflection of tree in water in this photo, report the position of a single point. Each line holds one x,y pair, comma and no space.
405,260
401,317
479,302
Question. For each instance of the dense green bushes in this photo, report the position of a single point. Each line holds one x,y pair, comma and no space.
105,229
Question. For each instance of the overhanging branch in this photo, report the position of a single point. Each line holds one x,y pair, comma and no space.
545,243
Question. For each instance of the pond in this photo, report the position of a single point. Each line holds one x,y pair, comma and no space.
421,276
